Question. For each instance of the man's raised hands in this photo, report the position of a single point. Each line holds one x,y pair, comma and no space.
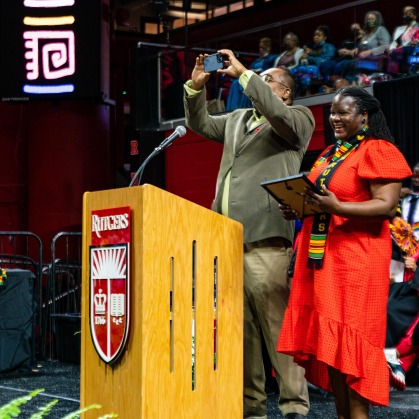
236,68
199,77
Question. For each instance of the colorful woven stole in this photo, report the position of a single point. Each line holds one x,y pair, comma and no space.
340,151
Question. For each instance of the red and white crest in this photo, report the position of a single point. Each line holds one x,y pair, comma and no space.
110,282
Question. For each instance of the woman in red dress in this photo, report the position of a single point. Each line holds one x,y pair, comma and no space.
335,324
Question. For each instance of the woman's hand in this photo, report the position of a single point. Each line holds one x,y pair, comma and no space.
288,213
344,51
414,43
327,202
365,54
410,263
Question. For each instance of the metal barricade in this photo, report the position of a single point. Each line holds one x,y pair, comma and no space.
15,254
63,285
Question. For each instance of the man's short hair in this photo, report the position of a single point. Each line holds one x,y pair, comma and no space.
289,81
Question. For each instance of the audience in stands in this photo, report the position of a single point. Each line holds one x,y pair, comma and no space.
308,69
290,58
367,50
405,38
344,53
236,98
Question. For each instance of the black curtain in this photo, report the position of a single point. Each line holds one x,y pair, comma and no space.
400,103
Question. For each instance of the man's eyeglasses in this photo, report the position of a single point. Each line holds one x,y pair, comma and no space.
267,78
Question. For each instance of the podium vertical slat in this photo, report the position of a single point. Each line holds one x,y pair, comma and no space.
141,384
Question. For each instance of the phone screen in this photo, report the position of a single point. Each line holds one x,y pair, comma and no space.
213,62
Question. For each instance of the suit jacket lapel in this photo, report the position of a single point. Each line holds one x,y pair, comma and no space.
251,133
253,127
249,122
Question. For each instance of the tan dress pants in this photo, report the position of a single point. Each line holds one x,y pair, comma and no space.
266,294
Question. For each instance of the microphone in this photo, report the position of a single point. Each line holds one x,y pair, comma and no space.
179,132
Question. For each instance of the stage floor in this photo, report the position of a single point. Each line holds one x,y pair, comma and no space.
61,381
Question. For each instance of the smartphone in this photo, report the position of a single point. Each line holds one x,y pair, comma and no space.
213,62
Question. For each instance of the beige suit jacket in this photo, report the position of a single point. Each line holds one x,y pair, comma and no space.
272,149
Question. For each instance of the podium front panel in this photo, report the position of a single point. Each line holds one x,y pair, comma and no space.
184,356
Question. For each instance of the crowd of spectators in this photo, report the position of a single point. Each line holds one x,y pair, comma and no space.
369,54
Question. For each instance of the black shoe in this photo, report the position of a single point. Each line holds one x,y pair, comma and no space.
294,416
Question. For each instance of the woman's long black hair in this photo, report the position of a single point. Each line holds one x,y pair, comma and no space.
377,124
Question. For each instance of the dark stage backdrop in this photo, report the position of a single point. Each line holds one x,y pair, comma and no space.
400,104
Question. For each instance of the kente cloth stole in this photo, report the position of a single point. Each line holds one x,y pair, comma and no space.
321,222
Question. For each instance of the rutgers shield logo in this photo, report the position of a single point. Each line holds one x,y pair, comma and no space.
110,282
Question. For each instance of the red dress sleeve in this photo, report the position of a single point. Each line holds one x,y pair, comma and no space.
382,160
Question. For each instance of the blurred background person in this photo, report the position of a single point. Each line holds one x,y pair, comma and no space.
405,38
373,44
402,35
344,53
236,98
290,58
322,51
410,202
403,303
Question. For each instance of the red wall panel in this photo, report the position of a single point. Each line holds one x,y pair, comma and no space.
317,139
192,165
69,151
14,173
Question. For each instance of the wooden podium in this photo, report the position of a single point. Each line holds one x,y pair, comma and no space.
179,251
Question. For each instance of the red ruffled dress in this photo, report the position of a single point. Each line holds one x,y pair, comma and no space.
337,314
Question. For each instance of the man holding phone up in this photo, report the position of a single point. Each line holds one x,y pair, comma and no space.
260,144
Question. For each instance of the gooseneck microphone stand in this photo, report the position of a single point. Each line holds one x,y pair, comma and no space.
179,132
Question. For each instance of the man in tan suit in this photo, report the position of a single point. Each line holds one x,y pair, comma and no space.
260,144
